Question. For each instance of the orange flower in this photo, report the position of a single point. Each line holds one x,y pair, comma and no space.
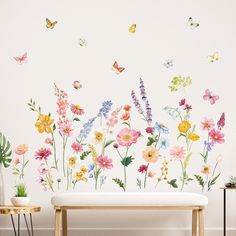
125,116
127,107
151,154
21,149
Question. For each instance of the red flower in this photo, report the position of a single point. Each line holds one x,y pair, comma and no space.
43,154
142,168
149,130
187,107
182,102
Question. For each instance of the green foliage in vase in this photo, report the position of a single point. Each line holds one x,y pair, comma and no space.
5,151
21,190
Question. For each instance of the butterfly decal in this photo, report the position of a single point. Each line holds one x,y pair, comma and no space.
116,68
21,59
168,63
82,42
132,28
50,24
214,57
192,24
77,85
209,96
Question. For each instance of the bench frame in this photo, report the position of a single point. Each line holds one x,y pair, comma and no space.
197,215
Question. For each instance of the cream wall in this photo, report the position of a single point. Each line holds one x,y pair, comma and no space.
162,33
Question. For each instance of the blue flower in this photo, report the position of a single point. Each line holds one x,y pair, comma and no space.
163,143
91,167
106,107
209,145
161,128
84,132
90,175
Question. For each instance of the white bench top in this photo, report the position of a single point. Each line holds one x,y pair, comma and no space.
129,199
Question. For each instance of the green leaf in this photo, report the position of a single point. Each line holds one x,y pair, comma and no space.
181,135
76,119
119,183
211,182
139,183
200,180
151,140
186,160
173,183
127,160
108,143
84,154
126,123
54,127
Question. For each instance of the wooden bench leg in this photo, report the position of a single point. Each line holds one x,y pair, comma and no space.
57,222
201,222
64,222
194,223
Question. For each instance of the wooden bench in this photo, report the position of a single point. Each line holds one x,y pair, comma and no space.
129,201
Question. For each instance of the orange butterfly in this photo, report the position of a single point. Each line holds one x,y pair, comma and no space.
116,68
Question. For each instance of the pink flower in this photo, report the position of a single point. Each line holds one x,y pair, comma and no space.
65,127
142,168
76,147
49,141
127,137
43,154
104,162
149,130
177,152
62,105
111,121
207,123
43,169
216,136
151,174
187,107
182,102
16,161
76,109
115,145
21,149
221,122
40,179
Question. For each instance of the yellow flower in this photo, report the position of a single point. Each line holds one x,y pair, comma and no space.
83,169
184,126
79,176
98,136
93,152
151,154
72,161
193,137
44,123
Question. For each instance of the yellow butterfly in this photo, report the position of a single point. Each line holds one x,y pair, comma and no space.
214,57
132,28
50,24
192,24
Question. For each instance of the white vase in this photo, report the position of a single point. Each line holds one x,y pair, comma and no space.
2,197
20,201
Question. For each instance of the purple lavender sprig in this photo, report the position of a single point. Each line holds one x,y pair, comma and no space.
147,105
136,102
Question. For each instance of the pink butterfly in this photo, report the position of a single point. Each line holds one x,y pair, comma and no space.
21,59
209,96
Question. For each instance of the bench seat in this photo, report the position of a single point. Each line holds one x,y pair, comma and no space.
129,201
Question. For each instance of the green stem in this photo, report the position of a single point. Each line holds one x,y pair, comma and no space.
54,150
213,173
183,178
145,178
63,154
127,149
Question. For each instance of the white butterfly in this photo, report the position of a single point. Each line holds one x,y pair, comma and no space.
169,63
192,24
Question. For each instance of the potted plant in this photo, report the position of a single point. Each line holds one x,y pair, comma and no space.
231,183
20,199
5,160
